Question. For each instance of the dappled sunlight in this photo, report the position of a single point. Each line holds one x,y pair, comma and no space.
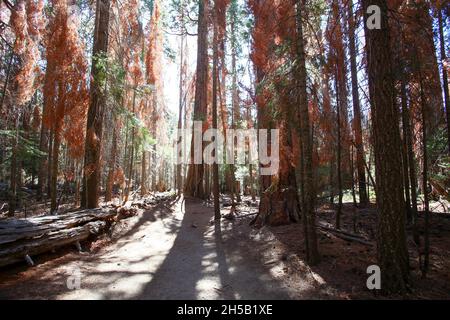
123,271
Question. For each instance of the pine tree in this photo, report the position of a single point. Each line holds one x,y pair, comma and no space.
194,185
392,251
94,130
65,90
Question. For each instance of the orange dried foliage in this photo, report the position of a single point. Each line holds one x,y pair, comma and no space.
221,10
153,56
420,54
28,24
263,38
65,88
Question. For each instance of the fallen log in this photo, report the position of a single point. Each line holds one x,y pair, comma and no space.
21,239
344,235
17,252
14,230
246,215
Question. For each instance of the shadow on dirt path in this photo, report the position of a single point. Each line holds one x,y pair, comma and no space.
170,252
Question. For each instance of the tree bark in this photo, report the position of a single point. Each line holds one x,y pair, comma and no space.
339,152
357,127
96,108
130,172
54,179
50,160
235,116
194,182
215,165
426,252
144,174
341,79
43,147
8,75
411,162
392,251
178,177
307,148
13,178
112,167
405,163
444,75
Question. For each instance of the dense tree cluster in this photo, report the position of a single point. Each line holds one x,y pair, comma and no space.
363,113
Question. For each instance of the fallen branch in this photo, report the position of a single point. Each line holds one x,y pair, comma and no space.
246,215
344,235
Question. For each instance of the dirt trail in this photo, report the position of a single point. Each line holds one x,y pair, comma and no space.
171,252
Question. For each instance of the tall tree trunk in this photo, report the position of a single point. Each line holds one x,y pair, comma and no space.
43,147
279,202
404,102
235,117
207,181
78,179
409,164
406,120
194,181
130,168
444,74
45,139
341,78
339,152
252,183
125,156
426,261
250,166
392,251
8,75
96,109
13,178
331,180
356,109
153,162
307,148
112,167
352,170
144,174
54,180
131,172
50,160
215,165
178,177
154,171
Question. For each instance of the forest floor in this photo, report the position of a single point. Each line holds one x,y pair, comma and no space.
176,251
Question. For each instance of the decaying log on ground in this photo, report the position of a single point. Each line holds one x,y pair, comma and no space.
344,235
21,239
17,251
151,200
14,230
